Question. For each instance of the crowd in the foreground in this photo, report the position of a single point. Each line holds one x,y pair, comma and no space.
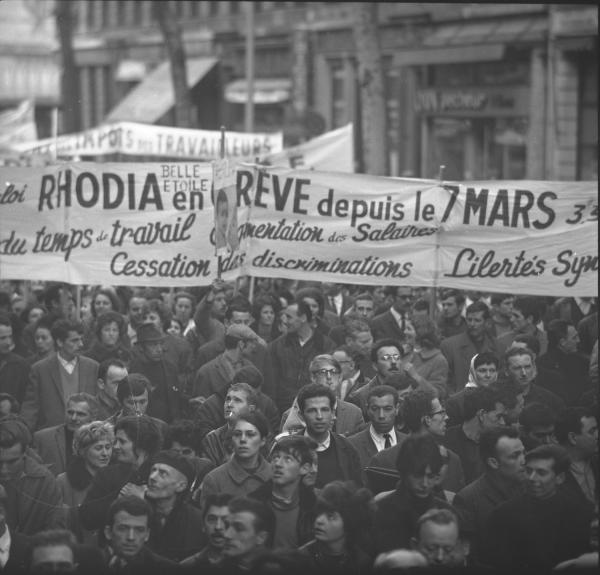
311,428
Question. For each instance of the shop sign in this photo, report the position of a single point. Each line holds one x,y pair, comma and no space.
575,22
472,101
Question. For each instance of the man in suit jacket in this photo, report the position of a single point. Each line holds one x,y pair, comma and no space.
382,406
54,444
55,378
392,323
460,349
335,299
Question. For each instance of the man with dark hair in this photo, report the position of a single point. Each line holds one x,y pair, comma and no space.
249,532
137,308
292,352
358,338
525,317
165,395
577,431
545,526
292,501
352,375
110,373
55,444
137,439
127,530
563,357
451,321
503,457
214,518
176,525
439,539
337,457
501,313
56,377
459,349
484,407
383,404
33,499
14,370
521,368
424,413
58,300
537,425
419,463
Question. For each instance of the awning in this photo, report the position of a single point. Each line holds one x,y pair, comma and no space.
468,41
266,91
154,96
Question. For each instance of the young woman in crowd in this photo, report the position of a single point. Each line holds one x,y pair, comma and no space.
110,332
264,311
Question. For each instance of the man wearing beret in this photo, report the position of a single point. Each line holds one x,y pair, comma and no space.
176,529
148,359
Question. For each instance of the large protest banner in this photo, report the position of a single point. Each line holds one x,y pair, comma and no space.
134,139
153,224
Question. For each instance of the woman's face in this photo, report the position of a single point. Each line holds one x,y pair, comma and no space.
35,313
329,527
102,304
246,440
43,340
486,374
183,309
313,305
98,454
174,328
109,334
267,315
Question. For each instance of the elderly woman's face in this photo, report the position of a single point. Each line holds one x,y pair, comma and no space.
98,454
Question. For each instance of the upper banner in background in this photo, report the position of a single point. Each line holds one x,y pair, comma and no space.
153,224
144,140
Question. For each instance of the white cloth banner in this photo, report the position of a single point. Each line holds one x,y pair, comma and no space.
134,139
153,224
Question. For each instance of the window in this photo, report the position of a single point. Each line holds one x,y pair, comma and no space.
338,95
587,157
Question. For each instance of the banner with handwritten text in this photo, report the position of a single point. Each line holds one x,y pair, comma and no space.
154,224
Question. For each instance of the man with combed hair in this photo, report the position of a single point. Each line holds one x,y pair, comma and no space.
503,456
537,425
110,373
54,444
392,323
451,321
439,539
525,317
56,377
545,526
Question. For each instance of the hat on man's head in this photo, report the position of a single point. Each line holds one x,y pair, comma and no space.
176,461
149,332
243,332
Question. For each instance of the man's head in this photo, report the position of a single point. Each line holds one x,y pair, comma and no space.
137,438
81,408
110,373
137,308
537,425
52,551
484,405
242,339
128,526
386,355
171,474
58,299
525,314
403,300
151,341
133,393
503,453
452,303
484,369
477,315
249,433
291,459
298,316
364,305
239,397
324,369
562,336
182,437
502,305
250,528
520,366
419,463
546,467
438,539
316,404
239,312
214,519
6,335
348,361
577,430
358,337
423,411
14,437
382,408
68,338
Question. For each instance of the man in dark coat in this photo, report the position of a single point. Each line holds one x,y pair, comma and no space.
14,370
391,324
419,463
503,457
545,526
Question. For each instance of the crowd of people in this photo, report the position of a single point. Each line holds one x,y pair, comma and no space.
289,427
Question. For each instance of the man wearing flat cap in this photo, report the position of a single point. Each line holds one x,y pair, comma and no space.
216,375
176,530
148,359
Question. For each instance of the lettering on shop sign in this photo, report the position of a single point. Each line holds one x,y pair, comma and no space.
430,101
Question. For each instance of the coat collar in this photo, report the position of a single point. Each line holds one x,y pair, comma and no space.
238,474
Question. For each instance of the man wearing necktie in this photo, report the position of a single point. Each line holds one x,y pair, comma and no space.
393,322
